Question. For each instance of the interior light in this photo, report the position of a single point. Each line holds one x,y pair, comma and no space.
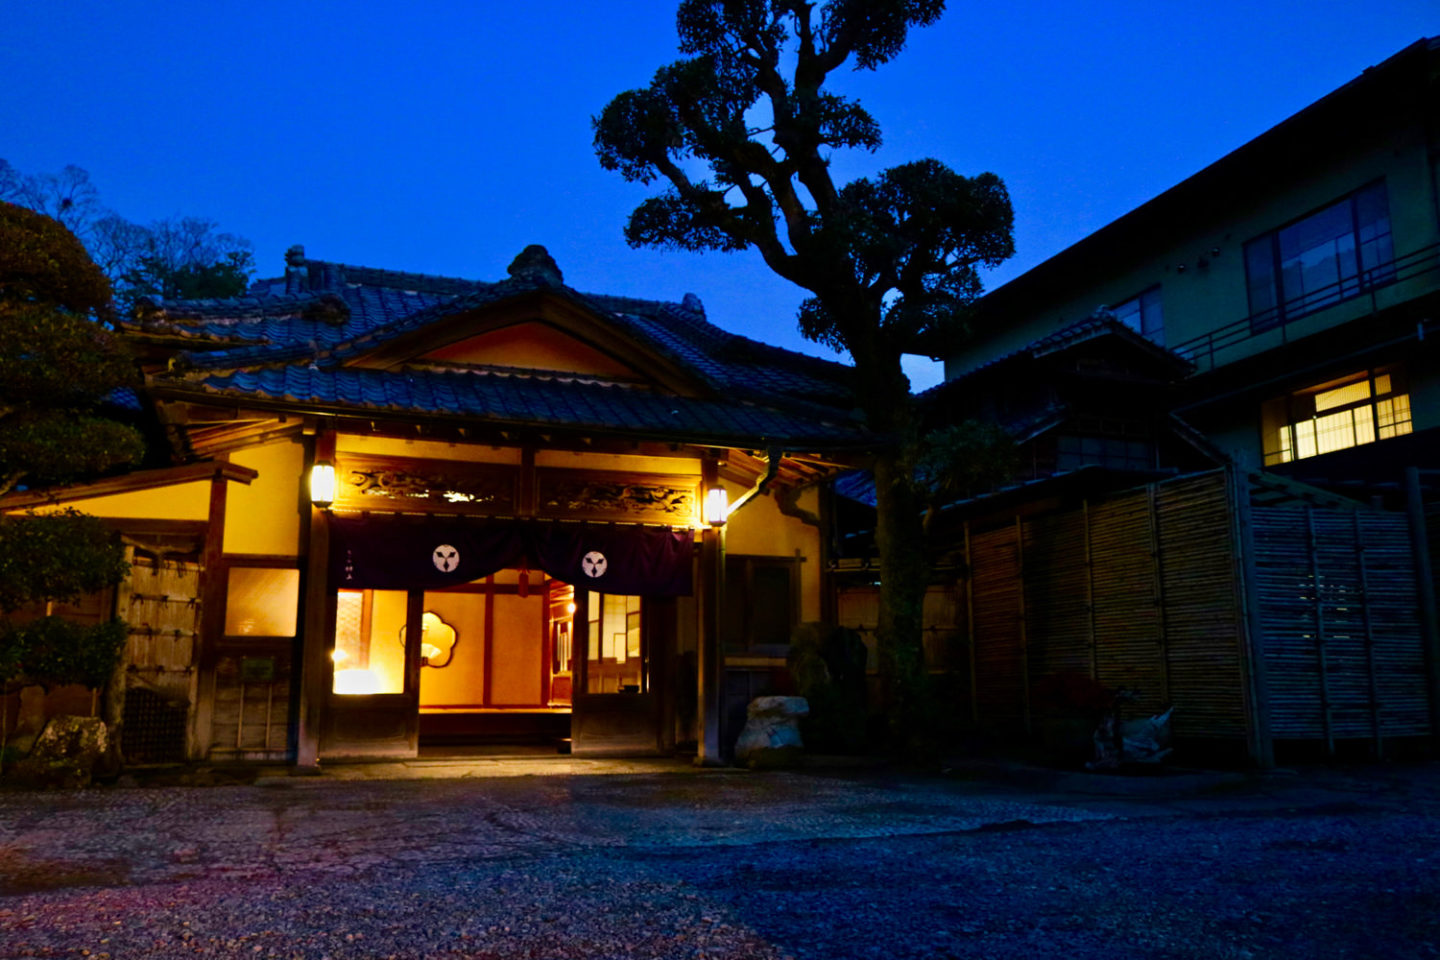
357,682
339,656
322,483
717,505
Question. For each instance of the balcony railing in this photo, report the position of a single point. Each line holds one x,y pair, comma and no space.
1280,321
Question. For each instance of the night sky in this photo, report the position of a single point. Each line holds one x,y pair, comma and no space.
443,138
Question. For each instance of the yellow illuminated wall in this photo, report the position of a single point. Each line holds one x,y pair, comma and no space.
461,682
264,517
533,346
430,449
181,501
519,648
760,529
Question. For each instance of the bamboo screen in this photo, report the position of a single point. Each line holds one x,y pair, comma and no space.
1137,590
1343,651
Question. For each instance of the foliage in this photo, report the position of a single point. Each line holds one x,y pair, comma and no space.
56,556
185,258
43,262
741,134
828,667
57,365
964,460
56,362
170,257
53,651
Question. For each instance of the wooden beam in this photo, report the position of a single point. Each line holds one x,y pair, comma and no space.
709,660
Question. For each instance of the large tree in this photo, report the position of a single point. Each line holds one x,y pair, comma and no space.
58,364
741,134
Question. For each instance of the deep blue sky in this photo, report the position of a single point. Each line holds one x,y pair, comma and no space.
444,137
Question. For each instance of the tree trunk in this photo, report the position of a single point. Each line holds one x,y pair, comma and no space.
899,539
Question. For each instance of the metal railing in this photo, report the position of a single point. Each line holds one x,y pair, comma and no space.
1202,349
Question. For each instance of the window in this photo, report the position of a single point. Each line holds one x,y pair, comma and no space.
1332,255
261,602
1116,453
617,645
762,601
369,650
1336,415
1143,314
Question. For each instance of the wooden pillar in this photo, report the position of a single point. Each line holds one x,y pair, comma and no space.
1157,567
1377,737
710,658
1090,595
1322,663
1425,594
1251,622
318,621
212,620
1021,623
970,627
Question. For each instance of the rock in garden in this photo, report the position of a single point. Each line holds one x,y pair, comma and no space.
771,737
64,754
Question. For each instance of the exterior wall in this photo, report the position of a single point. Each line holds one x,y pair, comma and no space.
264,517
532,346
183,501
395,447
1202,291
760,529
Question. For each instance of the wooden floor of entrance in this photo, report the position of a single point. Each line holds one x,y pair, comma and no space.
481,731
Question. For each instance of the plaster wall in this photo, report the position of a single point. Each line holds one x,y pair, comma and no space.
760,529
461,682
427,449
1202,290
264,517
181,501
532,346
518,649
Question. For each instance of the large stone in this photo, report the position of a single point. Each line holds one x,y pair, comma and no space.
771,738
64,754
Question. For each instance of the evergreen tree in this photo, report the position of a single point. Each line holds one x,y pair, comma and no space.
741,133
58,364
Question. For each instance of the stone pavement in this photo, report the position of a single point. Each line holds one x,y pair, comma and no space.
356,816
501,858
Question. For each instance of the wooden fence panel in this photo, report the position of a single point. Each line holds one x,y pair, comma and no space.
1341,634
1057,595
1202,611
1127,605
1000,692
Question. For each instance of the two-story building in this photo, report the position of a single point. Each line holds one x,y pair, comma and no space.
1299,279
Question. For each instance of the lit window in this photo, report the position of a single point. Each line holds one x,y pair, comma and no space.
1332,255
1143,314
1336,415
261,602
369,650
617,652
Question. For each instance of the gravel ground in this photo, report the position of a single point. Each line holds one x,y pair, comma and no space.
725,865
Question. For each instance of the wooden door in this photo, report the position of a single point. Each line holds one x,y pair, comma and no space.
618,699
373,704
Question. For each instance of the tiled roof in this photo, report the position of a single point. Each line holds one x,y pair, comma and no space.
524,400
1091,328
273,343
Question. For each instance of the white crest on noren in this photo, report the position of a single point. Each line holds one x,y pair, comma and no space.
593,564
